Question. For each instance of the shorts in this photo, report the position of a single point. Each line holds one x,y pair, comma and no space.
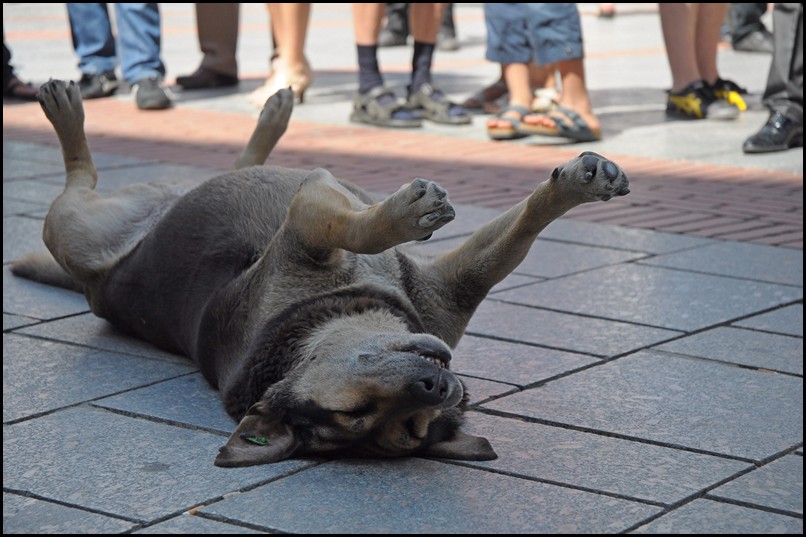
521,33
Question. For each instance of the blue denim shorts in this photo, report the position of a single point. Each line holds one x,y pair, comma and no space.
521,33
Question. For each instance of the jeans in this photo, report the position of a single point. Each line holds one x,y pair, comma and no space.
138,39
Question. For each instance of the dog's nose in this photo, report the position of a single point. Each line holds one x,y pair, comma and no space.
431,389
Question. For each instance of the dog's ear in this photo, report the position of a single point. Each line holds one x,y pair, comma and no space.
260,438
463,447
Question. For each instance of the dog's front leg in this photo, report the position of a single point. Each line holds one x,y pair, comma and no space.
325,214
465,275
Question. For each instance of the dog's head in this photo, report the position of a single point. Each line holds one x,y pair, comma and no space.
381,395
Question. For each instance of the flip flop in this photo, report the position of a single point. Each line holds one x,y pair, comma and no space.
577,129
512,132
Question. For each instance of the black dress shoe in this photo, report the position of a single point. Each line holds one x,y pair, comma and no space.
779,134
204,78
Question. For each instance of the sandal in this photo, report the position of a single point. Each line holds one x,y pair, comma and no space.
487,100
577,129
432,103
513,131
381,107
17,89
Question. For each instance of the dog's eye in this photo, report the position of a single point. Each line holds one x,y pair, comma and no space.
360,411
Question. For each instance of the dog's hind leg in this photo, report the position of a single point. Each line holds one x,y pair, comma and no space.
62,105
271,125
85,232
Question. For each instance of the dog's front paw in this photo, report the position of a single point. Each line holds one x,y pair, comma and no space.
422,207
61,102
591,177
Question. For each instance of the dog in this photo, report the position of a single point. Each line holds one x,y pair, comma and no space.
292,291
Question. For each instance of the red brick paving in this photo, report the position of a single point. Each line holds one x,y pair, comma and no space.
723,202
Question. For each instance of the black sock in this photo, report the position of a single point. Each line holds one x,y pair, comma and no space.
421,65
369,74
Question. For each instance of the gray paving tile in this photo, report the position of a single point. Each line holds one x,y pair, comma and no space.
745,347
22,208
609,236
550,259
44,375
420,496
47,153
709,406
21,236
32,191
11,322
22,168
740,260
707,516
29,515
788,320
124,466
599,337
512,362
480,389
602,463
468,219
193,525
188,399
655,296
91,331
39,301
778,485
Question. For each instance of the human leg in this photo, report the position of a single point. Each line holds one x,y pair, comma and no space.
217,27
94,44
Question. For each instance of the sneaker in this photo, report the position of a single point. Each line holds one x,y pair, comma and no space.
149,94
97,86
698,101
731,92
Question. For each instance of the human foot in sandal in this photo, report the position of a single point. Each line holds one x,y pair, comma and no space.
507,124
381,107
564,122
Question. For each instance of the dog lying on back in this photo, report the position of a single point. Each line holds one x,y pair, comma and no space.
285,287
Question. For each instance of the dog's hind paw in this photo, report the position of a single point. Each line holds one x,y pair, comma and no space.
277,111
61,102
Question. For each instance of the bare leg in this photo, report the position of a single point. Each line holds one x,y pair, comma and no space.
424,21
710,18
678,22
367,19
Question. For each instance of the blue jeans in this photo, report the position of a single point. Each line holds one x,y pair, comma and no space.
520,33
138,40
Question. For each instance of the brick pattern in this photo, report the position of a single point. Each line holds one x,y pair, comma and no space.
722,202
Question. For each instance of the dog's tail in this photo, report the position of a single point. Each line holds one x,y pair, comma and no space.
42,267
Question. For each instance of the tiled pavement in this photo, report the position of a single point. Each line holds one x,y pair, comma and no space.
642,371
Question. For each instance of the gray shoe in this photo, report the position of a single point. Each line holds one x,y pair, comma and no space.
150,94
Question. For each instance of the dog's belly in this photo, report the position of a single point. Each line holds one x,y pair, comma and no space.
206,240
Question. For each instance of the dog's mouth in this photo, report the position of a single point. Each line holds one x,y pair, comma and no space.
439,362
432,351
